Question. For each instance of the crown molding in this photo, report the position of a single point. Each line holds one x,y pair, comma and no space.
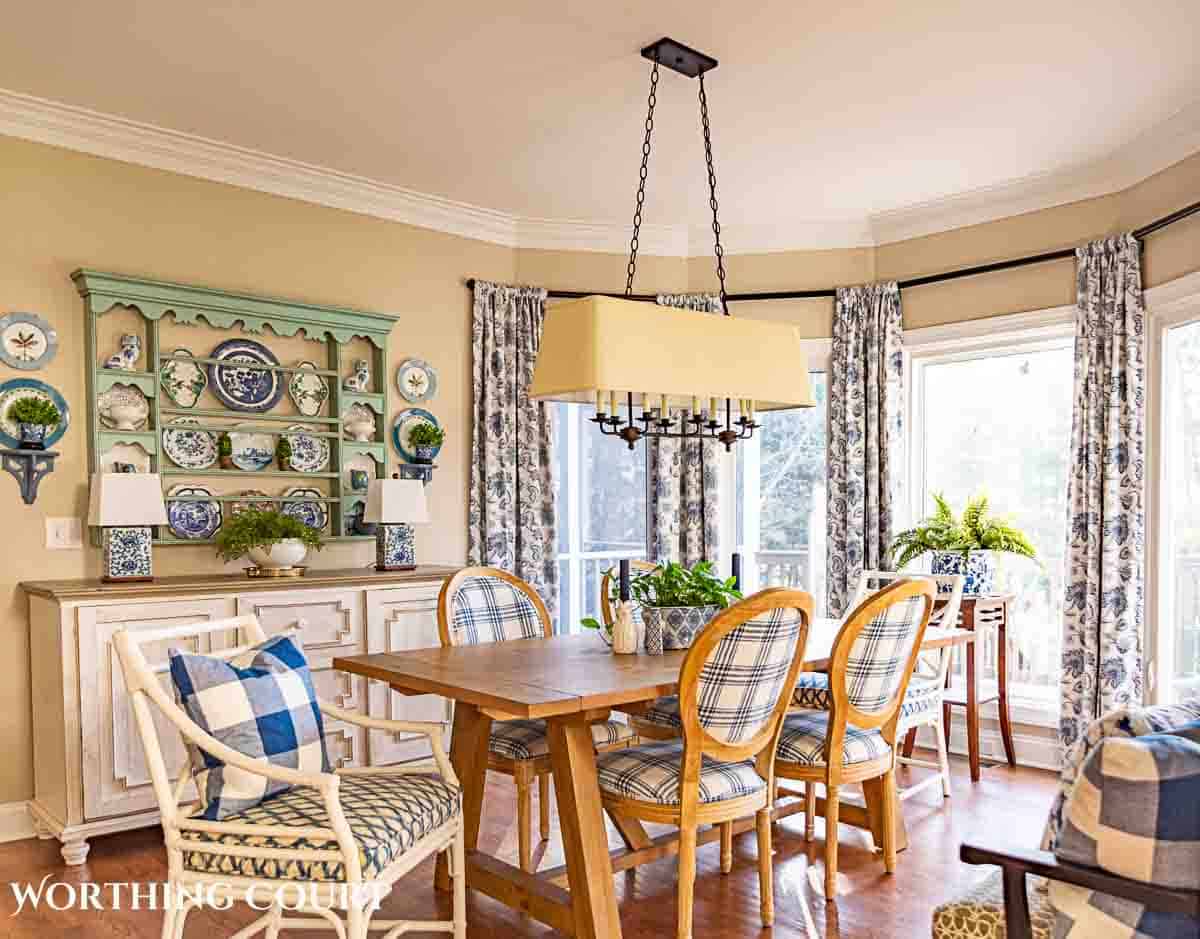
62,125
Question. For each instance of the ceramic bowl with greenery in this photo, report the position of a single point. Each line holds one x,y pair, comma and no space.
426,439
35,418
270,539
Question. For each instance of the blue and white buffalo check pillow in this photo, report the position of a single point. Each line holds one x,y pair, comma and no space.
261,704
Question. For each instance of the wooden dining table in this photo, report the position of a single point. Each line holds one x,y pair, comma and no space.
571,682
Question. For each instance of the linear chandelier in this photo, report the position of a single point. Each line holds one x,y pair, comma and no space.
690,375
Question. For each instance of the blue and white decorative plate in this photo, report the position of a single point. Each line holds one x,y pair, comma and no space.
298,503
183,380
417,380
18,388
188,447
309,454
238,384
406,420
27,341
252,449
193,519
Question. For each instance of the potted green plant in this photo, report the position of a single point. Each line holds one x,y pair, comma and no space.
283,454
271,539
426,439
676,602
35,418
965,545
225,451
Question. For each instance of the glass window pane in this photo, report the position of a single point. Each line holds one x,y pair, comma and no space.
562,415
612,490
1001,425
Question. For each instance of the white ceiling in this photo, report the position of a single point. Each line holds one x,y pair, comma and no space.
829,113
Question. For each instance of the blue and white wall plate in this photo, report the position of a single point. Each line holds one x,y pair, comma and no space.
417,380
15,390
298,503
188,447
182,380
237,383
406,420
27,341
309,454
193,519
253,449
308,391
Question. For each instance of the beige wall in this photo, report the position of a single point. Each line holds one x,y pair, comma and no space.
63,210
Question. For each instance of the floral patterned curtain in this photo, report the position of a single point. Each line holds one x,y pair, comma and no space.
682,508
865,408
510,516
1102,618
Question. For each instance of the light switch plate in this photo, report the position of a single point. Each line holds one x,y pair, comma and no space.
63,534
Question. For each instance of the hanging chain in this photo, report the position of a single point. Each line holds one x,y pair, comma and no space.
712,195
641,193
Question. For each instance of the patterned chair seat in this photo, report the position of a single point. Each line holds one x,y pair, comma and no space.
663,712
803,740
650,773
526,739
386,814
979,914
812,694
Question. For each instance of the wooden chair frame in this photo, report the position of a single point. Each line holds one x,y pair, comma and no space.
355,894
523,772
879,773
690,813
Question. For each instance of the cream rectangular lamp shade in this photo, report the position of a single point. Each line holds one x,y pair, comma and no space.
124,506
395,505
605,344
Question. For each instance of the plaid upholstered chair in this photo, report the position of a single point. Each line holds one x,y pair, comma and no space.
854,740
485,604
318,842
734,688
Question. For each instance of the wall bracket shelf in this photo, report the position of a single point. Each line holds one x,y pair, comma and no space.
28,468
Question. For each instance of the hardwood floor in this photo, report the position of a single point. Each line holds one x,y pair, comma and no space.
1007,805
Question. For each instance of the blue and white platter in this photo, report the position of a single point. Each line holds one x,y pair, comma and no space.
309,454
406,420
18,388
252,448
188,447
193,519
298,503
237,383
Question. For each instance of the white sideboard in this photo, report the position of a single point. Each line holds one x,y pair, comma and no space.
90,777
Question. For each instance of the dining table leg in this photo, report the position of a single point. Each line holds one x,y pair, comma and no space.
876,796
584,835
469,757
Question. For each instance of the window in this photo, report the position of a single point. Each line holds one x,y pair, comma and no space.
601,509
997,419
780,498
1179,567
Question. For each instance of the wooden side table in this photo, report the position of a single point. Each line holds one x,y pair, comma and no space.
981,613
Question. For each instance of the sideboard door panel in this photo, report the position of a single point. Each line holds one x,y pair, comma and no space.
397,620
115,778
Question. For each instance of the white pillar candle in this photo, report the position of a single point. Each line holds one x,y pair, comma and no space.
712,409
599,402
751,404
695,405
612,403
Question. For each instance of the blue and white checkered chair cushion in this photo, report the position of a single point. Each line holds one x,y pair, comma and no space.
650,773
803,741
663,712
813,694
387,815
876,663
488,609
261,704
526,739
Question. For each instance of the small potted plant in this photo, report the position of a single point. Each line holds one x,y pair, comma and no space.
676,602
225,452
965,546
272,540
283,454
35,418
425,439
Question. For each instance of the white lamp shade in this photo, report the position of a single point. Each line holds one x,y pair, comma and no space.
396,501
126,499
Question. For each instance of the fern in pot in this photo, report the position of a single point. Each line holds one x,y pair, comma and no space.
966,545
35,419
677,602
272,540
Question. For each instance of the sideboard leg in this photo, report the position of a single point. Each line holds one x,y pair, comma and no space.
75,851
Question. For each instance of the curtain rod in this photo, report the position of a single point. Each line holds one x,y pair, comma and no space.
1139,233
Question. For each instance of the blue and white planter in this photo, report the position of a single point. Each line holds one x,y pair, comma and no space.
395,548
669,628
126,553
978,570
